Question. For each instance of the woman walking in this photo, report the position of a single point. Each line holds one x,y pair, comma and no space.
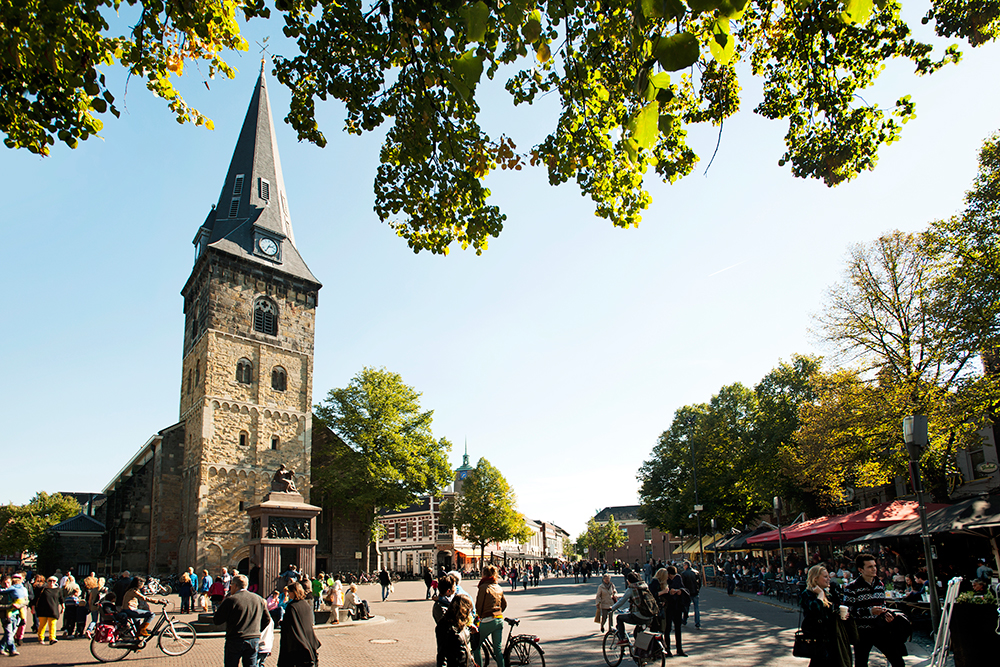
607,595
299,644
490,605
820,603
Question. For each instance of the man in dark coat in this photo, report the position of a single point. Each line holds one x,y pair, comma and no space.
383,579
692,582
245,616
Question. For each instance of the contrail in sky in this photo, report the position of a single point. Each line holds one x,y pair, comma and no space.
726,269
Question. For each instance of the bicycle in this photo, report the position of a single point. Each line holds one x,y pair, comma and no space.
114,641
518,650
654,651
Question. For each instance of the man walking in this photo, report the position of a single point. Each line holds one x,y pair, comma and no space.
245,616
865,598
692,582
385,582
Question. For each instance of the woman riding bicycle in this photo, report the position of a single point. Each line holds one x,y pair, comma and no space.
130,604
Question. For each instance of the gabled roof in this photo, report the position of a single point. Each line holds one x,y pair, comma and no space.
262,201
81,523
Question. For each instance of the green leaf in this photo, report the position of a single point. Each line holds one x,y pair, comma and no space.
732,9
654,9
476,20
698,6
642,126
856,11
468,69
722,45
532,30
99,105
665,124
675,9
677,52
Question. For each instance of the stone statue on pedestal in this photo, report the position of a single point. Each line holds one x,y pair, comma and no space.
283,482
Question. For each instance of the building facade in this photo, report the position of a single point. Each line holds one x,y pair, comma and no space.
641,541
245,377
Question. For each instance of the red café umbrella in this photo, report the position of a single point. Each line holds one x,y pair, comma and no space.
846,526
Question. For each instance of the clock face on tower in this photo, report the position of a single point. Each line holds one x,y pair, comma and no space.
463,474
267,246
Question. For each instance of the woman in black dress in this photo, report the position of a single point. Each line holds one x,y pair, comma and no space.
299,644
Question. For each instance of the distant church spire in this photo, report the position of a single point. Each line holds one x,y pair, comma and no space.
252,218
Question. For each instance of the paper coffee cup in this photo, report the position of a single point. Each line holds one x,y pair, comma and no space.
843,613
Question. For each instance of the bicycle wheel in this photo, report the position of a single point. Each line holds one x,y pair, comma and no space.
177,641
523,652
613,653
656,655
105,652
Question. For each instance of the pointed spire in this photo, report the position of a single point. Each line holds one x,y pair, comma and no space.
253,202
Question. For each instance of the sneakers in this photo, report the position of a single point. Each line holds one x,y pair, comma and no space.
622,642
54,641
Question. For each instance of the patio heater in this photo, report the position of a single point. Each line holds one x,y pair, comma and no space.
915,439
781,547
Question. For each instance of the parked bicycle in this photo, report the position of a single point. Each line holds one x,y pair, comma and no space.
113,641
647,648
519,649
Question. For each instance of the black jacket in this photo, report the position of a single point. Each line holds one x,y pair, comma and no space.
299,645
244,614
452,648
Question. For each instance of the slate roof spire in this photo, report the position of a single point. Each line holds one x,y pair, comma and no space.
253,202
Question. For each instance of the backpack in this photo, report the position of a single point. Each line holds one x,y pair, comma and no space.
644,603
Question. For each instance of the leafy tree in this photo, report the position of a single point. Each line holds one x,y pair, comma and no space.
486,509
734,442
23,527
380,419
601,538
630,77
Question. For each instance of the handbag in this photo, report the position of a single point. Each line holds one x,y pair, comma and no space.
807,646
597,615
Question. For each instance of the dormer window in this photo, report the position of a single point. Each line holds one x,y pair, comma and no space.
238,186
234,207
265,190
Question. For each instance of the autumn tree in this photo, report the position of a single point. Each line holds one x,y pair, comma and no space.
23,528
486,509
397,460
631,79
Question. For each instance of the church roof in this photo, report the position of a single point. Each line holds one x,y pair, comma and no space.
253,202
81,523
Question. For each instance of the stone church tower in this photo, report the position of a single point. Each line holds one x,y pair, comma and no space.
246,379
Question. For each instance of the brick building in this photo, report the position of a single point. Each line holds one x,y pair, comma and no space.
245,381
641,541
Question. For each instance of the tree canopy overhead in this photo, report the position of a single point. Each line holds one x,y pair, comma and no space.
630,77
23,527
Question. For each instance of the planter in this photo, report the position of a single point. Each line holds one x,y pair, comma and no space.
973,635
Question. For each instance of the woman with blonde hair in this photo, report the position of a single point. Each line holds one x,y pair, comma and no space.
820,602
607,595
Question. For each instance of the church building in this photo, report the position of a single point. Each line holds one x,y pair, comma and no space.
245,378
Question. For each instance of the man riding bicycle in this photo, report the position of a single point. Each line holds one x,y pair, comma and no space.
637,614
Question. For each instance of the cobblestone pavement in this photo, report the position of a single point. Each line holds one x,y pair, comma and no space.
740,631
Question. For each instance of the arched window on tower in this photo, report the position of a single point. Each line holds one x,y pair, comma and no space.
265,317
244,371
279,379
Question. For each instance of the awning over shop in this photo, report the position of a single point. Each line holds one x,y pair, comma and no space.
739,542
977,516
844,527
692,546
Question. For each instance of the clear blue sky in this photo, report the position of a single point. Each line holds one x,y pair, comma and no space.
560,354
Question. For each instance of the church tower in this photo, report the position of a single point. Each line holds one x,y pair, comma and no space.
246,379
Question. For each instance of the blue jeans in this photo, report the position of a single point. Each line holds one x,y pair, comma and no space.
385,592
697,616
492,627
9,628
238,650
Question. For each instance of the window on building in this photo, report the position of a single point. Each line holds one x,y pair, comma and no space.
197,373
244,371
244,438
976,457
648,535
265,317
395,531
279,379
234,207
275,442
238,186
265,190
189,381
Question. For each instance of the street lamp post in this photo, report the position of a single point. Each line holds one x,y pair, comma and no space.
663,539
915,439
701,542
781,546
698,507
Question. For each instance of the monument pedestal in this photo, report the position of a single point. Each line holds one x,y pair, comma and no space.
282,533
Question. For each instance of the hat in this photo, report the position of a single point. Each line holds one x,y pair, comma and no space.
16,575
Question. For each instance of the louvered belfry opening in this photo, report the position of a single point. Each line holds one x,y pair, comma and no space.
265,317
